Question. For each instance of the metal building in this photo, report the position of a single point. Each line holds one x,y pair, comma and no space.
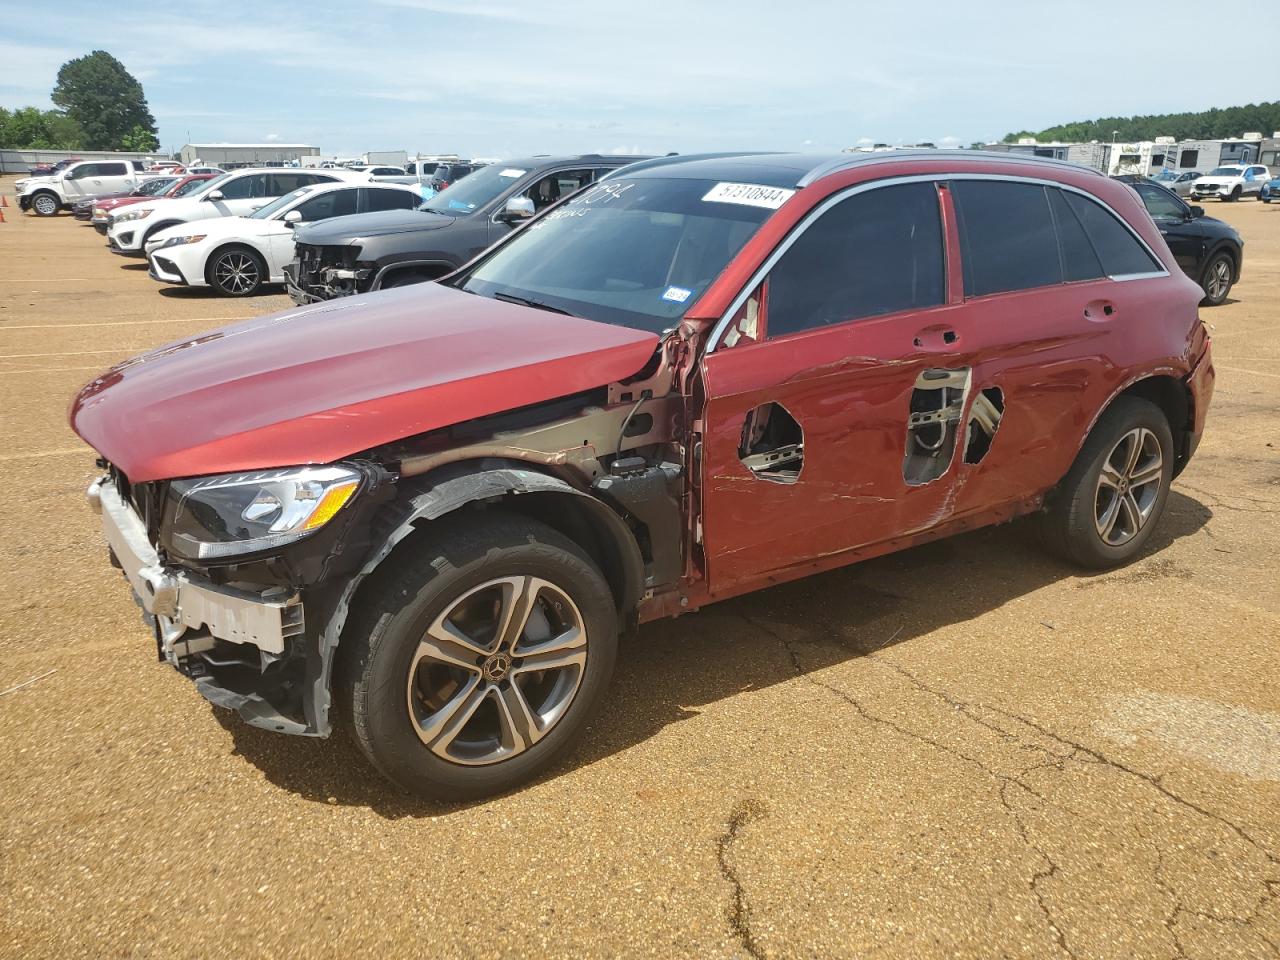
242,154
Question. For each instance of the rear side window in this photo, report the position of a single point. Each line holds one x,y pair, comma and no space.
1007,236
874,253
112,169
1118,249
389,200
334,203
1079,259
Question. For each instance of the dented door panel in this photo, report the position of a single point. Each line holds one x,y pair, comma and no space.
849,389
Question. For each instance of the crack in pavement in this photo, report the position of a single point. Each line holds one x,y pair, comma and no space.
739,912
1071,750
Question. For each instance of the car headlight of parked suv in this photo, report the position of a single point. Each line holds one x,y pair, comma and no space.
209,518
179,241
132,215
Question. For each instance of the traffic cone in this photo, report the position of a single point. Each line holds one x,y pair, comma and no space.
4,200
1,215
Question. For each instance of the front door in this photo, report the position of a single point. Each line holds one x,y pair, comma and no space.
834,398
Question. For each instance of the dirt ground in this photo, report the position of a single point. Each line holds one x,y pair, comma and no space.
964,750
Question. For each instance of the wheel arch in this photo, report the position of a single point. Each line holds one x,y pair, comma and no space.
1224,246
511,485
427,269
1170,394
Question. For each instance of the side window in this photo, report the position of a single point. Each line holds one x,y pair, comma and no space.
1120,252
1159,204
113,169
1007,236
556,185
335,203
873,253
1189,158
1079,261
246,188
83,171
283,183
375,199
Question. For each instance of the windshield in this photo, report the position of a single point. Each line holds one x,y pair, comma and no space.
1226,172
474,191
278,204
637,253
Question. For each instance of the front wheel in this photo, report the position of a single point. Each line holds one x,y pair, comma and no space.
46,204
236,272
1104,511
478,658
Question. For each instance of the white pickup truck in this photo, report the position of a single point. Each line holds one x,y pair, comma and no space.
89,178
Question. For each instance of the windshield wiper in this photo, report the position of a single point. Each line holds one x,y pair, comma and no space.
527,302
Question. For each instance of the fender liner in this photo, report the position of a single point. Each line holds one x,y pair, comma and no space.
441,493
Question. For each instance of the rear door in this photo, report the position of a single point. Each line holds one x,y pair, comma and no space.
833,395
244,194
114,176
1055,286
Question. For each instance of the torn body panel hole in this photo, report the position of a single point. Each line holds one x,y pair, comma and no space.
984,420
772,445
933,422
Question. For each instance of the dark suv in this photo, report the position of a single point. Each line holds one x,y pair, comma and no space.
1209,251
447,174
373,251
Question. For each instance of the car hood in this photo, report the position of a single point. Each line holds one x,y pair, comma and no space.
1216,181
321,383
359,226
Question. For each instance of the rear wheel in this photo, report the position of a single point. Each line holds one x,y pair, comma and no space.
1217,279
1105,509
477,660
235,271
46,204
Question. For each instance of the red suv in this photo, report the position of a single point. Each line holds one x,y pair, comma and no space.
440,505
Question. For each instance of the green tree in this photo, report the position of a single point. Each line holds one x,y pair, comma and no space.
106,100
1207,124
139,140
29,128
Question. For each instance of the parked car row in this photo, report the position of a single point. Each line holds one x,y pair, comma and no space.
429,514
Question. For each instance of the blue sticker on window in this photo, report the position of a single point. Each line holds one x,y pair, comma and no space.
678,294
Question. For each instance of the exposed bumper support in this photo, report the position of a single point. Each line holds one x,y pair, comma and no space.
183,603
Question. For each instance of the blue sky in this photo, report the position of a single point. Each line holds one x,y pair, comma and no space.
504,77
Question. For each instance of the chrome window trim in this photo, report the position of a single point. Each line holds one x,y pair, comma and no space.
798,230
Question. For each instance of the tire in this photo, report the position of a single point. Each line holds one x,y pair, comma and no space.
46,204
412,707
1234,196
1078,523
1217,278
235,271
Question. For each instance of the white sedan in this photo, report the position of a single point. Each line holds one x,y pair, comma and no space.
235,256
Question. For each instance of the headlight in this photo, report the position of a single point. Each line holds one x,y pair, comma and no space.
222,516
133,215
99,212
179,241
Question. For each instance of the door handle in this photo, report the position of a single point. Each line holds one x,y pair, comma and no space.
936,338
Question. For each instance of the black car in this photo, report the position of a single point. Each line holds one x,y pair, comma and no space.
373,251
1209,251
447,174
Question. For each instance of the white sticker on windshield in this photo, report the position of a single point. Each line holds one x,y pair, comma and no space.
749,195
512,172
678,294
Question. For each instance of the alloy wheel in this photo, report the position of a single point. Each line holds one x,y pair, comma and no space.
45,205
1219,279
497,670
1128,486
236,272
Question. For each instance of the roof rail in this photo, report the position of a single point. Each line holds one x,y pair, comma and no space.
673,158
838,164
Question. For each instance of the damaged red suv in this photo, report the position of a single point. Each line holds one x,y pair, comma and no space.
440,506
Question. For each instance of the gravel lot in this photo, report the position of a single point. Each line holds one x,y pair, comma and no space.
964,750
